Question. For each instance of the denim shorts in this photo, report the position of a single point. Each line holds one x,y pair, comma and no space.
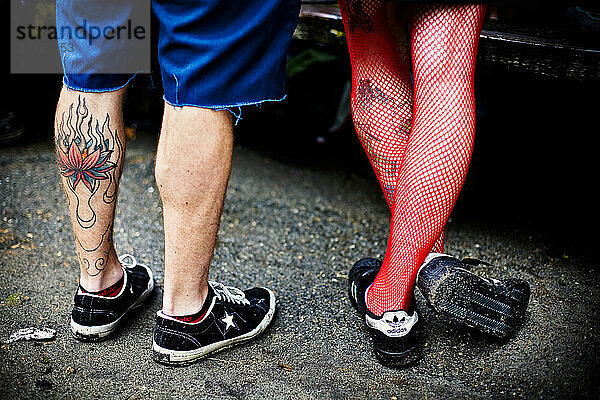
212,53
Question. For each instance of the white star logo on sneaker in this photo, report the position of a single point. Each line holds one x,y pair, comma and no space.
228,320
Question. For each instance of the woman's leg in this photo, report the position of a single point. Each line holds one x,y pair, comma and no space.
381,89
443,45
382,93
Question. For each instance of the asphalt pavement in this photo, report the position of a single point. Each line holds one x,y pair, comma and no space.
296,229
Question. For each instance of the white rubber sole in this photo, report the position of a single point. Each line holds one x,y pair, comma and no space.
185,357
100,332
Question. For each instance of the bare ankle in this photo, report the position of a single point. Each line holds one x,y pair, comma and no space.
104,278
183,303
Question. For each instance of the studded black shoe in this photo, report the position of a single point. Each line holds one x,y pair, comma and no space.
491,306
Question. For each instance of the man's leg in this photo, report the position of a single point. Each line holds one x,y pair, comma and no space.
90,147
239,61
192,169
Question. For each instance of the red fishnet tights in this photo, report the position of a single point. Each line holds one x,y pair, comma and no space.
382,93
420,152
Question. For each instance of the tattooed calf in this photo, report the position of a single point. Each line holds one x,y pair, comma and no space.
383,164
84,149
368,94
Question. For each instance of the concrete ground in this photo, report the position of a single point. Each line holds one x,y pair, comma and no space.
296,229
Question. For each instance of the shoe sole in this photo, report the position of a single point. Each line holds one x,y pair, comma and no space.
186,357
397,360
98,333
465,299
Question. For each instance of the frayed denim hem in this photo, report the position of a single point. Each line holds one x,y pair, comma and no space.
88,90
231,107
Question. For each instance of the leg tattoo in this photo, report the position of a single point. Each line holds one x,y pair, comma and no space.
90,159
84,150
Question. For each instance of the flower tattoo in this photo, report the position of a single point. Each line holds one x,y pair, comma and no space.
88,166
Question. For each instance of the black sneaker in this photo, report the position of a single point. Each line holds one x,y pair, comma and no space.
491,306
95,317
233,317
395,333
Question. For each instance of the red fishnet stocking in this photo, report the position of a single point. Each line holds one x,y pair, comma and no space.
444,45
382,94
421,176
